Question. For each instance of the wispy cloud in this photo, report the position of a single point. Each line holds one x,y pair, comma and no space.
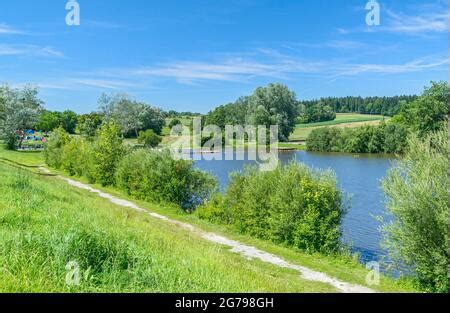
416,65
242,70
427,23
71,83
9,30
268,63
234,69
29,50
334,44
100,83
415,22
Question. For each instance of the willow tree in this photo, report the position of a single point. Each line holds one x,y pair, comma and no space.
417,193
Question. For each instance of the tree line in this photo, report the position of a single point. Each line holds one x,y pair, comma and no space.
387,106
315,113
280,105
21,110
427,113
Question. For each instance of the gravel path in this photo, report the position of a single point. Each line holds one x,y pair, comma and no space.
246,251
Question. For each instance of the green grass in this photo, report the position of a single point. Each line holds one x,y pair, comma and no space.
341,267
31,158
45,223
291,146
302,131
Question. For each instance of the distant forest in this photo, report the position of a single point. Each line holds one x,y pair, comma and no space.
388,106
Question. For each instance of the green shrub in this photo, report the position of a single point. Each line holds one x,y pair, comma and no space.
174,122
107,151
383,138
395,136
292,205
155,176
149,138
11,141
324,139
417,194
214,211
54,147
74,157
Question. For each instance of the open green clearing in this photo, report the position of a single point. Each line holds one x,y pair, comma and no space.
302,131
45,223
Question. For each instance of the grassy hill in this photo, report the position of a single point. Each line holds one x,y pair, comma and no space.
302,131
45,224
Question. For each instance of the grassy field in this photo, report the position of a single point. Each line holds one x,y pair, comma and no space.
44,224
302,131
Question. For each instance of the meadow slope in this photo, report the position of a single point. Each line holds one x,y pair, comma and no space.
45,223
302,131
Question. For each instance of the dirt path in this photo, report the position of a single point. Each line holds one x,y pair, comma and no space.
236,247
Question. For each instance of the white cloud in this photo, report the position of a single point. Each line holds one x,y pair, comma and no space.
8,30
9,50
267,64
232,69
422,19
334,44
99,83
416,65
29,50
281,68
427,23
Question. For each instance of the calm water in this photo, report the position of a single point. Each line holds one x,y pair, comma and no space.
359,177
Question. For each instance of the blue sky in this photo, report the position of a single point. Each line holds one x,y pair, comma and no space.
193,55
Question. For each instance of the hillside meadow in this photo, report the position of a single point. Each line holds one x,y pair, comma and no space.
302,131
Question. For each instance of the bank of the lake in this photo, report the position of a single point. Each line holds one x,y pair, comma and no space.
333,265
358,175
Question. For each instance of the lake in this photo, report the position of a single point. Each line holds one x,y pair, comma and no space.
359,177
